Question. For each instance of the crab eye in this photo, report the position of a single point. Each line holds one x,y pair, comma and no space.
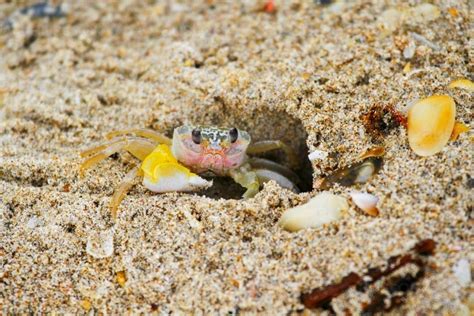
196,135
234,134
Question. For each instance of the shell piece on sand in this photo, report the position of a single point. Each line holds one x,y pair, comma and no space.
373,152
462,272
458,129
430,124
101,245
465,84
359,172
366,202
163,173
321,209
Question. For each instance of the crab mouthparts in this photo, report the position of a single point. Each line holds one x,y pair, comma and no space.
213,160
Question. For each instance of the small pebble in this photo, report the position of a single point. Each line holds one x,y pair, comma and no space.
462,272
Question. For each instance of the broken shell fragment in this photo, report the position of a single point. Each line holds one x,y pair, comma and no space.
465,84
163,173
458,129
360,172
121,278
366,202
373,152
101,245
430,124
321,209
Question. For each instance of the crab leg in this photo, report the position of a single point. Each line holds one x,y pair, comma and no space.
138,147
262,163
267,145
265,175
246,178
122,190
93,150
143,132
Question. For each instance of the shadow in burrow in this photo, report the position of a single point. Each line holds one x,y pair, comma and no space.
262,124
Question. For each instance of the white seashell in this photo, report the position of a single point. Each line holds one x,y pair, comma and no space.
366,201
101,245
317,155
462,272
321,209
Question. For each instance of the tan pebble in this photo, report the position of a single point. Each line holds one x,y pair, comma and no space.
306,75
86,304
322,209
453,12
121,278
189,63
430,124
407,68
465,84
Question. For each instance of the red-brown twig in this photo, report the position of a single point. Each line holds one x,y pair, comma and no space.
321,297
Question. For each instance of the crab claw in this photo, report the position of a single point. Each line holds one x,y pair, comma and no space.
163,173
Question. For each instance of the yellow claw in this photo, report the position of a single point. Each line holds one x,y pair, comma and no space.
162,163
164,173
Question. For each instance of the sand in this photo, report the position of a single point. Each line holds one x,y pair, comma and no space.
304,74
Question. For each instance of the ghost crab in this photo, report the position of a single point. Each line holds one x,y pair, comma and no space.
174,164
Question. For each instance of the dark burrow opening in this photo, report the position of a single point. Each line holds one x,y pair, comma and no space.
263,124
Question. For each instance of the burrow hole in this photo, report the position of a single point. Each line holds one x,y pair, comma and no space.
262,124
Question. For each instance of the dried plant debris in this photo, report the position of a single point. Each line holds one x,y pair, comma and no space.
397,287
360,172
393,290
380,119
